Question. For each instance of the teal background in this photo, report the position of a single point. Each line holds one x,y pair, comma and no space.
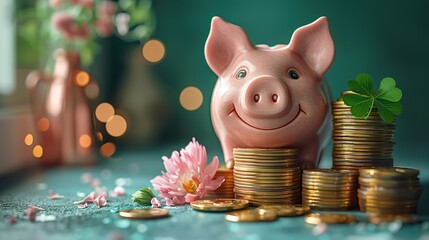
381,38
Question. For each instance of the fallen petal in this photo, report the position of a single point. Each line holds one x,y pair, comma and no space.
100,201
12,220
155,202
82,205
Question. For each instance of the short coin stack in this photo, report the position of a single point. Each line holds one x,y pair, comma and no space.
358,142
329,189
226,190
265,176
389,190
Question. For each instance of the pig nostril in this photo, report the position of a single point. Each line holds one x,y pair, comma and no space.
256,97
275,97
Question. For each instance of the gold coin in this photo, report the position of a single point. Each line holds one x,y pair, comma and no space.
250,216
390,173
329,218
265,170
329,172
369,182
221,204
144,213
388,218
286,210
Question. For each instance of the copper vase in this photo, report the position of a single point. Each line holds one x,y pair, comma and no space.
62,113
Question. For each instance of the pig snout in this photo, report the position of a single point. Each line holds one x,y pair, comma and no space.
265,97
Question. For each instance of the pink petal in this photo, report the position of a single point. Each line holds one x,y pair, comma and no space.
119,190
88,199
211,169
190,197
169,202
82,205
54,195
155,202
100,201
31,212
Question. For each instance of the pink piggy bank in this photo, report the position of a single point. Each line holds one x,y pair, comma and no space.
271,97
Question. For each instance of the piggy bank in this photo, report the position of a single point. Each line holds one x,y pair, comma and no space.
271,97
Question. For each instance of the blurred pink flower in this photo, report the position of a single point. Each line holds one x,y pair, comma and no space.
100,201
55,3
107,8
104,26
88,4
187,177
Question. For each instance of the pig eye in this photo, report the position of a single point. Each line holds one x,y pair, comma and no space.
241,74
293,74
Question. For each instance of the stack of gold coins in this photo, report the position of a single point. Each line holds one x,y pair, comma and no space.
358,142
265,176
389,190
226,190
329,189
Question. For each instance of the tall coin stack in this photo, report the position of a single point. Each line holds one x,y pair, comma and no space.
265,176
360,143
389,190
226,190
329,189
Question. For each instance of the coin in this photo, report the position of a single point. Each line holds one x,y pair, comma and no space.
221,204
144,213
286,210
250,216
329,218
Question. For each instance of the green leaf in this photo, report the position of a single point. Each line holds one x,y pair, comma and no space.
388,90
362,85
360,106
143,196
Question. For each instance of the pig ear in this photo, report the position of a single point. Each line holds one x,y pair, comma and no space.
225,41
314,44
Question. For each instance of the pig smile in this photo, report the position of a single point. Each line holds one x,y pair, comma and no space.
265,129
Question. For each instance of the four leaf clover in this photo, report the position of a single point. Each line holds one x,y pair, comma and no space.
363,99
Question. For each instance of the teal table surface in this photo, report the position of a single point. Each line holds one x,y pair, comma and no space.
137,168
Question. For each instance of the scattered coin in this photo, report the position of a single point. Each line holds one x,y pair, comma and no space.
144,213
250,216
218,205
286,210
329,218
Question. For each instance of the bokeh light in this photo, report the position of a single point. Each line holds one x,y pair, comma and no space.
104,111
38,151
191,98
82,78
43,124
153,51
85,141
28,140
92,90
99,136
116,126
107,149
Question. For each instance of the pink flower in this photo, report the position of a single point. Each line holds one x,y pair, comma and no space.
155,202
187,177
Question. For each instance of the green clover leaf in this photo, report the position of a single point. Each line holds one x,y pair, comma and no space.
362,100
143,196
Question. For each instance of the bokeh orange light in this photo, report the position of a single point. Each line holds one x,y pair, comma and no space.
85,141
38,151
116,126
191,98
92,90
82,78
43,124
107,149
153,51
104,111
28,140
